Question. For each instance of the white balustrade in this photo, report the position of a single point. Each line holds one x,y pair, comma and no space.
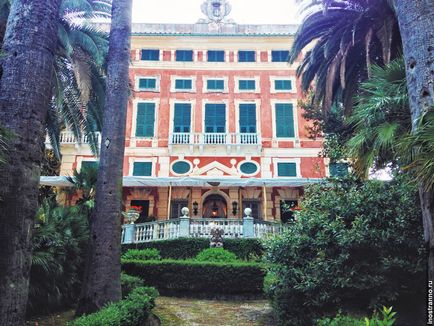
68,137
200,228
185,138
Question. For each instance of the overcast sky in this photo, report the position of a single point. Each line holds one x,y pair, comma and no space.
188,11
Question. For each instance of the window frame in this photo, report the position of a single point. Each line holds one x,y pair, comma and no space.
215,51
184,52
273,80
204,103
134,118
152,160
157,84
280,52
183,174
296,161
173,80
258,168
294,116
247,51
208,78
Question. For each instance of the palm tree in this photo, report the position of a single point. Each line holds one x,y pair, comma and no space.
79,72
102,278
334,52
25,93
347,39
381,118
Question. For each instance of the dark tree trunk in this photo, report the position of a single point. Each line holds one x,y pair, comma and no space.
25,93
416,23
102,280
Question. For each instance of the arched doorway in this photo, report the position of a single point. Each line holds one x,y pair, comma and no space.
215,206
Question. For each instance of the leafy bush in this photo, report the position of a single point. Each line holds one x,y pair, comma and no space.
142,254
59,247
354,244
185,248
217,255
183,276
387,318
131,311
129,283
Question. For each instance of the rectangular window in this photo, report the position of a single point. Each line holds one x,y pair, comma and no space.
147,83
286,169
89,164
150,55
282,85
279,56
338,169
145,120
246,85
176,206
183,84
215,84
182,117
142,169
215,118
284,120
246,56
255,206
216,56
184,55
247,118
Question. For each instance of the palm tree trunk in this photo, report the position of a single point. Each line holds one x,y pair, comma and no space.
25,93
416,23
102,280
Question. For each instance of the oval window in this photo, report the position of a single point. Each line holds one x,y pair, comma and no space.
181,167
248,168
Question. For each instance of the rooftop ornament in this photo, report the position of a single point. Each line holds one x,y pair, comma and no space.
216,11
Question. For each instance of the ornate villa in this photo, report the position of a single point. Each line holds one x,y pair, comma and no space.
213,125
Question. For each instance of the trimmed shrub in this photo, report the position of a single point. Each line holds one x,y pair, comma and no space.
192,277
354,244
384,317
132,311
185,248
129,283
142,254
217,255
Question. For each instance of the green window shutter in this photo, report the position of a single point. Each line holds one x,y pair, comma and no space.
147,83
215,118
246,56
142,169
248,118
183,84
182,117
279,56
216,56
284,120
150,55
89,164
215,84
184,55
338,169
286,169
247,84
145,120
282,85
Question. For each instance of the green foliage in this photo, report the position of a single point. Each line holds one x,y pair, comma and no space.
217,255
193,277
381,118
387,318
129,283
353,245
184,248
346,38
131,311
142,254
59,247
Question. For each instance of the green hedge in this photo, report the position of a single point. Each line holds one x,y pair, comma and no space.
184,248
192,277
129,283
132,311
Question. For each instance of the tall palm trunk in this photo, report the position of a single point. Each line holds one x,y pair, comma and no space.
102,279
416,23
25,93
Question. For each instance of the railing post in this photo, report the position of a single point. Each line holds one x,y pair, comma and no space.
248,224
184,223
129,233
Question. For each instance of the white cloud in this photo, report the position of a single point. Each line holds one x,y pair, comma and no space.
188,11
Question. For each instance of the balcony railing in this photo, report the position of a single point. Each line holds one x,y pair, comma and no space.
199,228
68,137
183,138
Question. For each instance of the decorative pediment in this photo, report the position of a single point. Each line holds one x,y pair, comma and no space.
216,169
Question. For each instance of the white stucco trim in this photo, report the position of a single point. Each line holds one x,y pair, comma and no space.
297,162
173,79
273,90
257,80
157,83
